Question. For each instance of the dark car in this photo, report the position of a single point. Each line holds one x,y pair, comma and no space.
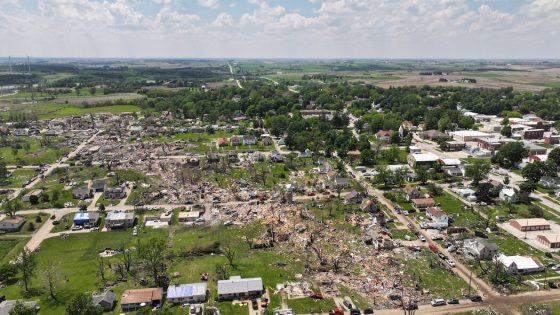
347,304
55,222
255,304
355,311
453,301
2,298
476,298
368,311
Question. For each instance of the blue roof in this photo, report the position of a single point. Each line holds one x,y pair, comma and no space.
82,216
186,290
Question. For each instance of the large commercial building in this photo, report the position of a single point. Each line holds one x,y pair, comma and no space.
528,225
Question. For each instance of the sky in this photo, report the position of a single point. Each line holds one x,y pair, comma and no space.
472,29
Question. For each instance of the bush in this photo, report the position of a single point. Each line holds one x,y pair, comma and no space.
38,219
31,227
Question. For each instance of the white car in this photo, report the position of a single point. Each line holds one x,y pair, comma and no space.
450,263
405,212
438,302
422,238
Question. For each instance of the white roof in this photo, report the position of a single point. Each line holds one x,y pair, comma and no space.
508,192
470,133
521,262
425,157
451,161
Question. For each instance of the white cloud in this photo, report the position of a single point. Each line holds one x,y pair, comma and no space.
210,4
223,20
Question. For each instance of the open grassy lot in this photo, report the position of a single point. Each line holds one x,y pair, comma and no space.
70,111
10,246
429,274
18,178
273,174
32,150
311,306
80,252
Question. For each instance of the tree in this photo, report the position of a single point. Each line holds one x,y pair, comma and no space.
434,190
101,208
7,272
484,192
554,156
222,272
510,154
533,171
27,265
152,254
478,170
422,174
12,207
22,309
229,252
527,186
506,131
51,279
3,171
252,231
367,157
82,304
33,199
536,211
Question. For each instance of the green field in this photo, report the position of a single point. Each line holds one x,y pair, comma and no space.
70,111
311,306
18,178
31,151
10,246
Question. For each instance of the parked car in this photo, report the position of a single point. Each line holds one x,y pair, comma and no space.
347,304
337,311
368,311
451,248
438,302
450,263
476,298
55,222
77,228
422,238
453,301
53,217
254,304
405,212
355,311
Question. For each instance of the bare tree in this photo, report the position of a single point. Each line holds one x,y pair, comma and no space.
127,259
101,268
27,265
230,253
152,253
341,261
51,279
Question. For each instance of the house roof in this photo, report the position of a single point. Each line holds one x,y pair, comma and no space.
435,212
86,216
7,306
384,133
14,220
236,284
98,184
520,262
551,238
141,295
186,290
107,296
423,201
482,243
119,216
410,189
425,157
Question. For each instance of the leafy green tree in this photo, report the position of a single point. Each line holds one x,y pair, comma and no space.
367,157
422,174
533,171
478,170
152,253
510,154
8,271
536,211
82,304
554,156
506,131
527,187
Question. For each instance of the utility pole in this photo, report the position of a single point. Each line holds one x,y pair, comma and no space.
470,280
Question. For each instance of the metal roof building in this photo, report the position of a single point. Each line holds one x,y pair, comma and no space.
187,293
236,287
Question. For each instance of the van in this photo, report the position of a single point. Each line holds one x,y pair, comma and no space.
438,302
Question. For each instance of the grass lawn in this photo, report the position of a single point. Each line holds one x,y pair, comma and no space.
30,150
67,219
441,282
75,110
308,305
230,308
18,178
10,246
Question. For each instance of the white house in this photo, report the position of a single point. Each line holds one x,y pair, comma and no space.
520,264
507,194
